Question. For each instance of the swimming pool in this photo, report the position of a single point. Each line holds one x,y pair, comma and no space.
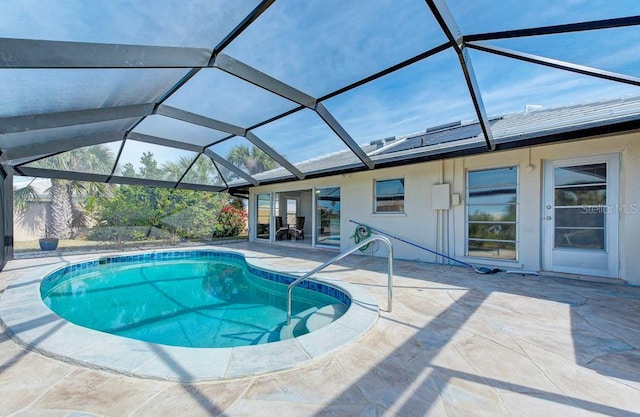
188,298
32,324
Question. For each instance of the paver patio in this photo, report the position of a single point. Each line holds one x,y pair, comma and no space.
457,343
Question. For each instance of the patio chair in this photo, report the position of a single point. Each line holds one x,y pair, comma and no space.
281,230
298,231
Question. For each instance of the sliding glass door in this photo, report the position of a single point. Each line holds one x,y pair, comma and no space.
328,216
264,216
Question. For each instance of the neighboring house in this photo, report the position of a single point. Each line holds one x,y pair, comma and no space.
570,207
30,225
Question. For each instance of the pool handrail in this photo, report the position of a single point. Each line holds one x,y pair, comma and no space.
341,256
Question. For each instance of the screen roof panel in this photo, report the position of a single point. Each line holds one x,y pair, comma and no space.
366,84
203,172
303,136
161,22
523,84
95,159
37,91
616,50
221,96
153,162
353,40
244,155
494,15
62,134
166,127
428,93
231,178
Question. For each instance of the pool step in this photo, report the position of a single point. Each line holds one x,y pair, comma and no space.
304,322
298,323
312,319
284,331
324,316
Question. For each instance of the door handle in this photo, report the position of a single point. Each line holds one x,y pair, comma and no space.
548,218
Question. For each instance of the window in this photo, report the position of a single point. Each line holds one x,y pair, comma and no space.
580,199
492,209
389,196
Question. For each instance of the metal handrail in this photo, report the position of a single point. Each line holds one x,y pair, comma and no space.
339,257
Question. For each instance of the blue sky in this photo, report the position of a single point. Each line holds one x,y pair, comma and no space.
318,46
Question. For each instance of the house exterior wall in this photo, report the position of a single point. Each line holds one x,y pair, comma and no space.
30,225
445,232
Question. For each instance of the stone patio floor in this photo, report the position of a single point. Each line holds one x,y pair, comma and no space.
457,343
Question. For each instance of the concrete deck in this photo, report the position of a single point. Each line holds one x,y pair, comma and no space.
456,344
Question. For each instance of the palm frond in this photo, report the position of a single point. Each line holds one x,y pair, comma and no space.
23,196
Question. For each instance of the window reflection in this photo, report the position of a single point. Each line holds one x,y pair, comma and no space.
328,215
264,216
582,174
492,202
390,196
579,238
580,195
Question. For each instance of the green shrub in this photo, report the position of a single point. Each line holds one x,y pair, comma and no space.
231,222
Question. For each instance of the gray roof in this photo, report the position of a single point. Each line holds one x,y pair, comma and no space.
440,140
539,123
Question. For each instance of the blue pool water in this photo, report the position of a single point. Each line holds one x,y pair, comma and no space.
193,299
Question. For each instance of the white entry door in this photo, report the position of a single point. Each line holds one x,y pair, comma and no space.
580,209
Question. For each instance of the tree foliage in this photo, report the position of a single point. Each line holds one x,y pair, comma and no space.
93,159
135,212
254,160
130,212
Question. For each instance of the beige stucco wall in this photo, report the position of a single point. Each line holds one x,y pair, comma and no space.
446,231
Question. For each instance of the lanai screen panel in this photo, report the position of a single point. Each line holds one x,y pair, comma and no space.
177,130
244,155
153,162
38,91
321,46
112,130
231,178
95,159
160,23
325,82
550,98
495,15
428,93
302,138
524,83
616,50
203,172
215,94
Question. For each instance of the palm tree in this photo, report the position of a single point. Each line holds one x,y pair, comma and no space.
202,171
23,196
254,159
91,159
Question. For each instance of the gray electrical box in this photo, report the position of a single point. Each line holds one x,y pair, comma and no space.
440,197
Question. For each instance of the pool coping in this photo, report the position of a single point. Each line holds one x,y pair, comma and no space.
33,325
